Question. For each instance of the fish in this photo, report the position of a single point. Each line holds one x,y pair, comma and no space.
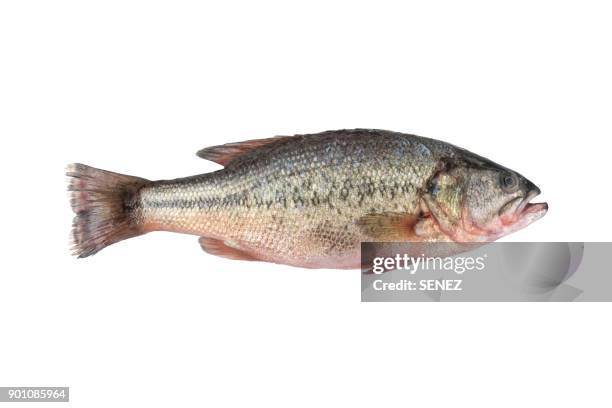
310,200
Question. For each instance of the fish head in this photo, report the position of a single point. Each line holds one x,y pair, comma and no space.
474,199
498,202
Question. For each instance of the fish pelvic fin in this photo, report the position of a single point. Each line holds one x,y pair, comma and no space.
106,205
224,154
221,248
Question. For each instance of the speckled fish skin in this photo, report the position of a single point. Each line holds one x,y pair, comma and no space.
310,200
298,200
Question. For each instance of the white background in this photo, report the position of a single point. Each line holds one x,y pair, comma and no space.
139,87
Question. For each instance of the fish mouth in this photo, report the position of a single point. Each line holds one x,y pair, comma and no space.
526,207
522,210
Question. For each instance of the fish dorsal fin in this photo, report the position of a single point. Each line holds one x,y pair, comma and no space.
224,154
221,248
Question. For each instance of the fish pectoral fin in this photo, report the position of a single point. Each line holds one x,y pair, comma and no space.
223,154
389,226
221,248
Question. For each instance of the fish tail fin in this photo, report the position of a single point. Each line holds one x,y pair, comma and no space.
106,205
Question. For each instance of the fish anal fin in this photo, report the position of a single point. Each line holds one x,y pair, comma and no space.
221,248
224,154
389,226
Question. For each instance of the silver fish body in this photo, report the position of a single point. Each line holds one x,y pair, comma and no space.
310,200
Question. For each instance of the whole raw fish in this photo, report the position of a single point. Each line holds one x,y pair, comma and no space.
310,200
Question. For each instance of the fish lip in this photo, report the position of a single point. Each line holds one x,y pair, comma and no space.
520,208
528,197
531,211
532,208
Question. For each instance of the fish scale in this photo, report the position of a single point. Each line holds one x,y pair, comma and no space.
316,189
307,200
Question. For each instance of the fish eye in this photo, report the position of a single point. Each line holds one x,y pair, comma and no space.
509,182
